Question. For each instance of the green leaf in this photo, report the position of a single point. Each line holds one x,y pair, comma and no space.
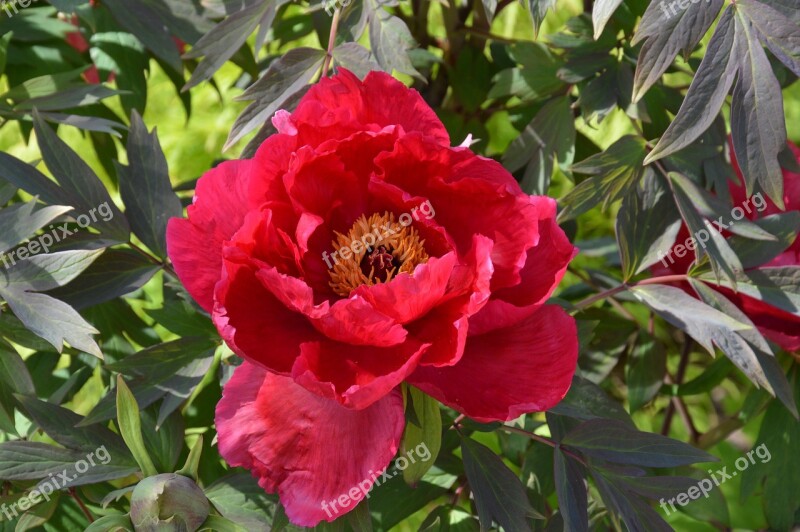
647,224
390,40
216,523
240,499
775,465
78,178
601,13
706,239
61,425
767,372
666,36
586,400
143,21
571,490
146,189
360,518
53,320
758,126
45,272
21,221
355,58
780,34
128,418
615,172
284,77
24,460
779,287
192,466
536,79
647,365
499,494
613,441
549,138
753,253
125,56
706,95
4,40
538,9
225,39
110,523
426,433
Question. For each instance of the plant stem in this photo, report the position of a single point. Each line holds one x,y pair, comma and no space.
331,42
84,509
589,301
542,439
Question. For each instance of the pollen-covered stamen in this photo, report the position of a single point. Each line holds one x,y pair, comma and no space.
374,251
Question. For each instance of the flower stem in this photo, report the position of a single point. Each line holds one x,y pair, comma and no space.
331,42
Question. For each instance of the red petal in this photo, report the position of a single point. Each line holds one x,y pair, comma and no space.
195,244
341,105
355,376
309,450
509,372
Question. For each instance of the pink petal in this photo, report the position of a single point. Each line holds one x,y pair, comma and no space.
309,450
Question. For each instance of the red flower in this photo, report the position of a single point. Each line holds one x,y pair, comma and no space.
445,291
776,324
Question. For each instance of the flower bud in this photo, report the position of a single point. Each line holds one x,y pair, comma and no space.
168,502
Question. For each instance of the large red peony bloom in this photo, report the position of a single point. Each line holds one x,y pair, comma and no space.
776,324
358,250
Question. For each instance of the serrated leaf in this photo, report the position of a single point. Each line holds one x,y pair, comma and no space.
616,442
706,95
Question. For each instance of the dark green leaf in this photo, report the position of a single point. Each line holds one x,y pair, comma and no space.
499,494
647,365
710,86
145,188
617,442
427,433
571,489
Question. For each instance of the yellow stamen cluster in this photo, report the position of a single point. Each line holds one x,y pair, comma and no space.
369,242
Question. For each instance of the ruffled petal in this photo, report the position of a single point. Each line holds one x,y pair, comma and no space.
340,105
195,244
322,459
355,376
506,373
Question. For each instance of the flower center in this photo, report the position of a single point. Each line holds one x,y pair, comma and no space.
374,251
